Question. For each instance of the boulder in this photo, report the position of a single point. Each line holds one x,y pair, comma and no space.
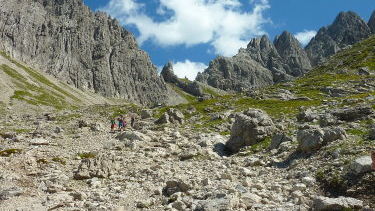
310,139
322,203
249,128
102,166
171,116
279,138
39,141
145,114
333,134
176,116
175,186
11,192
327,120
306,115
133,136
229,202
164,119
360,165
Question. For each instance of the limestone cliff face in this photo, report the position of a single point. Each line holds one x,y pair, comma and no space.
88,50
347,29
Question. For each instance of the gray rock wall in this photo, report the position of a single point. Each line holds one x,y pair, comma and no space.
88,50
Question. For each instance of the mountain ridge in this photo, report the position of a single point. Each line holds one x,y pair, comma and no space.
285,59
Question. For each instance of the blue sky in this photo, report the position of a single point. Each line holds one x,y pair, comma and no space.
191,33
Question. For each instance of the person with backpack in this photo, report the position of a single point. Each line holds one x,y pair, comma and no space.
113,125
120,123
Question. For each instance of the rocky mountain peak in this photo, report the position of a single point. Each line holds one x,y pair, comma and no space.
261,43
290,50
347,29
371,22
168,74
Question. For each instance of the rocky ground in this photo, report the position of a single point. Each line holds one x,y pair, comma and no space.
71,161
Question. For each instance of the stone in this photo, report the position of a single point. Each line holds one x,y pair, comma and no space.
102,166
10,193
60,36
133,136
361,165
250,198
175,186
39,141
277,139
227,202
164,119
308,181
171,116
146,114
333,134
307,115
322,203
310,139
250,127
327,120
363,71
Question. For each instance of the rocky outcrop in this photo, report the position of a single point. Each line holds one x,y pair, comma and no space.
250,127
322,203
102,166
262,63
360,165
347,29
239,73
88,50
192,88
312,138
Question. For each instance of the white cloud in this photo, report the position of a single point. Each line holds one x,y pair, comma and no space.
220,23
305,36
188,69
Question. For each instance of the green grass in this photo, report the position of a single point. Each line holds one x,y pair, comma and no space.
211,92
33,94
188,97
59,160
68,117
36,94
86,155
357,132
9,152
275,108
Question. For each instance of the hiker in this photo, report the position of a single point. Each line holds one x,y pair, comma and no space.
120,123
113,125
373,160
132,121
